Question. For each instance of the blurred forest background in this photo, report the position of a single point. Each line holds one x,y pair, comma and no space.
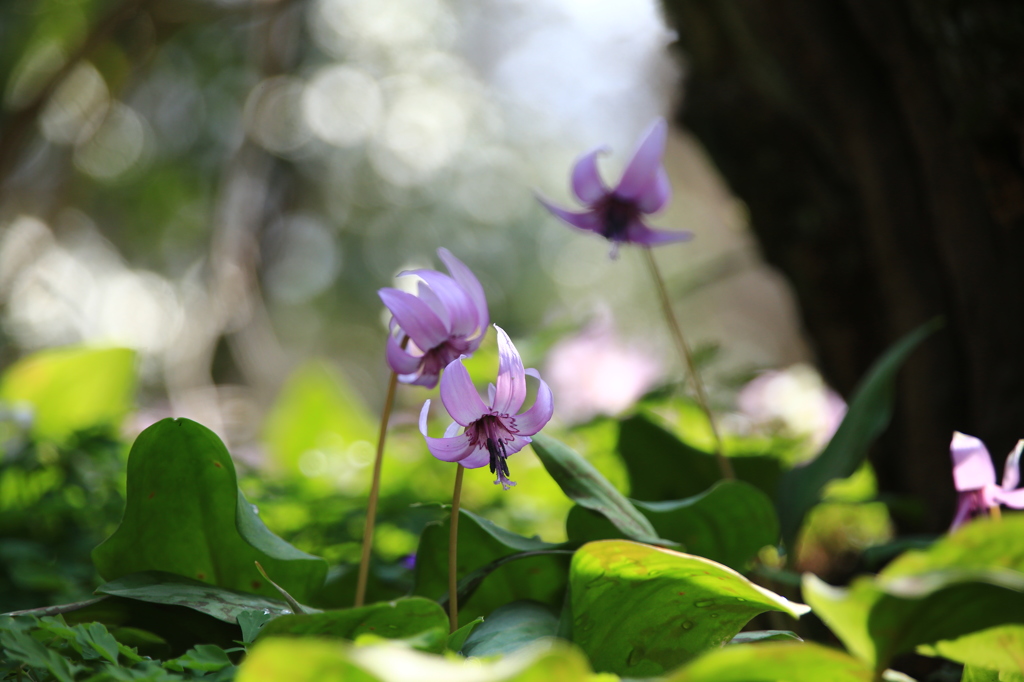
223,185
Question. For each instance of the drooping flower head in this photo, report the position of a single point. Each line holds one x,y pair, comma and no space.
447,318
975,478
491,432
617,214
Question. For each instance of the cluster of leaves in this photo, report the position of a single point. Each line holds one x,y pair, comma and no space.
654,585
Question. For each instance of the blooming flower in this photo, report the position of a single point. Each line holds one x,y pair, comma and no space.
491,432
617,214
447,319
975,478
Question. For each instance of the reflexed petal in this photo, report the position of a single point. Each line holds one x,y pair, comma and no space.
589,220
470,284
427,295
478,458
452,430
516,444
415,318
459,394
640,173
461,310
1011,498
490,394
1011,472
972,465
398,359
964,506
656,194
638,233
424,379
534,419
586,180
511,389
446,449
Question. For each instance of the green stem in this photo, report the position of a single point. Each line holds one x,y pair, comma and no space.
724,465
371,505
453,555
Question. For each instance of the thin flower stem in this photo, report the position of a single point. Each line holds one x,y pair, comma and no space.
724,465
453,554
995,512
371,505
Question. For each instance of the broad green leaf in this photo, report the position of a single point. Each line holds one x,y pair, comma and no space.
511,627
22,647
317,660
984,543
641,611
584,484
204,658
400,619
157,587
541,578
458,638
91,640
72,389
774,662
975,674
470,582
186,515
729,523
663,467
1000,648
251,622
868,415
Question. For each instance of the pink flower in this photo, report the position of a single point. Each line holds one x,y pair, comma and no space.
617,214
491,433
447,319
975,478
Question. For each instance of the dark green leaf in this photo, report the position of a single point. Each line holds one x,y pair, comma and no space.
729,523
868,415
458,638
204,658
511,627
662,467
541,577
252,622
186,515
20,646
400,619
640,610
774,661
585,485
470,582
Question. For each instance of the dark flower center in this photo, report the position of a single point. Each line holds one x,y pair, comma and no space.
493,431
616,215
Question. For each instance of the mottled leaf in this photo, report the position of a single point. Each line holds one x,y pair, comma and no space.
511,627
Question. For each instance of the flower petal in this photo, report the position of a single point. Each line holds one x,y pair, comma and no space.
516,444
588,220
427,295
972,465
476,459
656,194
638,233
966,503
640,173
459,394
586,180
459,307
398,358
511,385
445,449
534,419
415,318
470,284
1011,498
1011,472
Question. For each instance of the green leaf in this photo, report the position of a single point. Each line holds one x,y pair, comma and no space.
756,636
1000,648
729,523
22,647
584,484
789,661
469,583
458,638
72,389
400,619
511,627
640,610
251,622
540,577
653,454
204,658
156,587
867,417
186,515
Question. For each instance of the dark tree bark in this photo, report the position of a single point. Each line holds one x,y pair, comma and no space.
878,145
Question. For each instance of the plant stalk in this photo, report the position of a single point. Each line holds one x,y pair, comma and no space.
453,554
995,512
371,505
724,465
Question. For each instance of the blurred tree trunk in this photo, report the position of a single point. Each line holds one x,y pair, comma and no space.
878,146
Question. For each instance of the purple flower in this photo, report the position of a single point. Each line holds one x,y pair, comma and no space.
491,432
447,319
975,478
618,214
